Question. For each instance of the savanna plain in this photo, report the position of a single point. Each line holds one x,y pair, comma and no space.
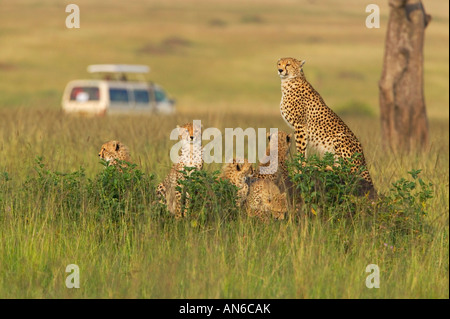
59,205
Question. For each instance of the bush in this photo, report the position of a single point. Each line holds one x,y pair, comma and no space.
122,190
404,207
209,196
324,187
67,189
334,195
124,194
115,193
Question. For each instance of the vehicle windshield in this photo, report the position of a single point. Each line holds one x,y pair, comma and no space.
160,96
84,94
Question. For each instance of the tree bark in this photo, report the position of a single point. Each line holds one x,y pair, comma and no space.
404,123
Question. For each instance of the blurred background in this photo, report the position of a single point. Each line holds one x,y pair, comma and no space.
215,55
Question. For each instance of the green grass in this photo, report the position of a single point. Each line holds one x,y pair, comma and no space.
156,257
218,60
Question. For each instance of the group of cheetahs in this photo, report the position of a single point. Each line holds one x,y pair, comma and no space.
263,195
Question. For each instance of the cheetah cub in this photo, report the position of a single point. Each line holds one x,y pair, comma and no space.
191,156
265,201
238,173
281,143
314,123
114,150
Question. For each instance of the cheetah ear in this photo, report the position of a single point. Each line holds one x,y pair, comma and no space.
181,129
302,63
238,167
117,146
268,135
288,138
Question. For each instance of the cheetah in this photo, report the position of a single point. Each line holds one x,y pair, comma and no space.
265,201
314,123
281,143
115,150
238,173
191,156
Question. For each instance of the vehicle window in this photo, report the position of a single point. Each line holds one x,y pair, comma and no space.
160,96
84,94
141,96
118,95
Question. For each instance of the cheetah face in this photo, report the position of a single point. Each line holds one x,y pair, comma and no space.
108,150
289,68
280,140
189,133
244,169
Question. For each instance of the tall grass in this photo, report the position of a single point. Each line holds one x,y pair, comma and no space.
53,214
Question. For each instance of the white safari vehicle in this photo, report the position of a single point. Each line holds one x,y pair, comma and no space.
120,88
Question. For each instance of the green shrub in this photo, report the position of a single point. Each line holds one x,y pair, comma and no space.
404,207
66,189
209,196
113,194
324,187
334,195
122,191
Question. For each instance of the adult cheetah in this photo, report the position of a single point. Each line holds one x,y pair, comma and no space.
314,123
113,151
238,173
191,156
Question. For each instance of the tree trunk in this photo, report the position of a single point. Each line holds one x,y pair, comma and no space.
404,123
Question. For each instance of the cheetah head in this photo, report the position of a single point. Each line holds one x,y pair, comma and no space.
244,169
289,68
274,201
240,170
280,141
189,132
113,150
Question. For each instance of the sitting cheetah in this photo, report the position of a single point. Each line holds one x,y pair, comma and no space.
114,150
314,123
238,173
281,143
265,201
191,156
